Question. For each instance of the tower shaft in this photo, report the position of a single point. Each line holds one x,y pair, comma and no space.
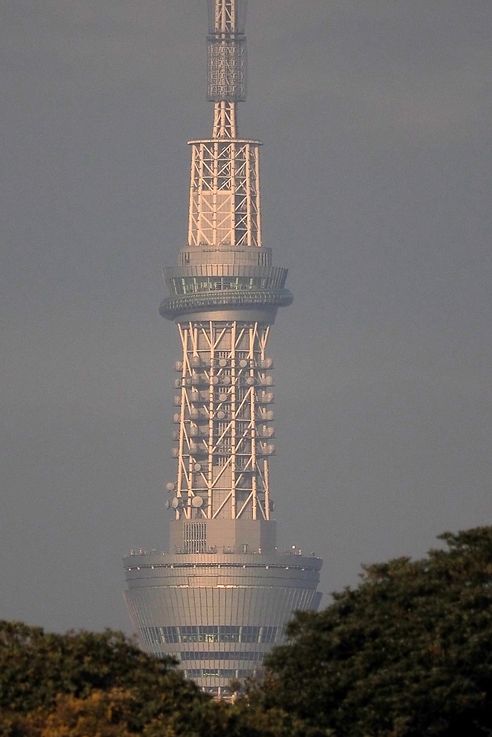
224,295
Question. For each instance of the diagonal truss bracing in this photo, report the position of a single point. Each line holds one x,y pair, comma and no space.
224,421
224,194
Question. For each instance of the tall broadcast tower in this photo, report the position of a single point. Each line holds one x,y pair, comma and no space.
222,596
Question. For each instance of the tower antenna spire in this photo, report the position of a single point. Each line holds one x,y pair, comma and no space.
227,63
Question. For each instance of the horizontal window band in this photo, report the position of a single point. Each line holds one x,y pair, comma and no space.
211,634
173,306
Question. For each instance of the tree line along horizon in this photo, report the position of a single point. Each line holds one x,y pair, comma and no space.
405,653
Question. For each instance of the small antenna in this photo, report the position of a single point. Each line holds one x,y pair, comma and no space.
227,63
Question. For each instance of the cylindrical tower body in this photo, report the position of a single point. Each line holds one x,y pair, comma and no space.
223,594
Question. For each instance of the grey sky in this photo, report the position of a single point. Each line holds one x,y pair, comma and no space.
376,119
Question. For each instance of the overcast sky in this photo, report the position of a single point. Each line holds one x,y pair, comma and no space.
376,119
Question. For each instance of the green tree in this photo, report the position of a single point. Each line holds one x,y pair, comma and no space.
59,677
408,653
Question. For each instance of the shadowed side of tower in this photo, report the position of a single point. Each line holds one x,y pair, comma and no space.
223,594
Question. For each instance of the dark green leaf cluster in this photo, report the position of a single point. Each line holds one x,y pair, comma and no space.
407,653
37,668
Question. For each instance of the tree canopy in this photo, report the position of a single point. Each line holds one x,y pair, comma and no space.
407,653
49,679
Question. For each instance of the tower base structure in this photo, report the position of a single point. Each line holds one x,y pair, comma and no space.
218,613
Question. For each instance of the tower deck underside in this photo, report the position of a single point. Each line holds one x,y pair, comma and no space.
218,614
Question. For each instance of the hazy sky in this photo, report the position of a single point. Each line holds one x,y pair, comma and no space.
376,119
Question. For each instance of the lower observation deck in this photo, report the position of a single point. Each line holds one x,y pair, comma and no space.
218,613
224,279
188,303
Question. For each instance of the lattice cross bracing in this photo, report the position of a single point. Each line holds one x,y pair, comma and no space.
225,194
224,421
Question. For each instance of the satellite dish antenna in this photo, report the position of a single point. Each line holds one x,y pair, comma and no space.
197,502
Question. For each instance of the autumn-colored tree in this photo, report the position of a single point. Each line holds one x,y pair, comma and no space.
102,713
408,653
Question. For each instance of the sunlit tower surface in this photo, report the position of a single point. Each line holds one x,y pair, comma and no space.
221,597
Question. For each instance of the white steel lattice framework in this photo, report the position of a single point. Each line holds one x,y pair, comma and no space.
224,193
224,421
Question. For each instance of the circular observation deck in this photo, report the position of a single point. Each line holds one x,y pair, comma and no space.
219,614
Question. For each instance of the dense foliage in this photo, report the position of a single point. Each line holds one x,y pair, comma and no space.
84,684
408,653
78,679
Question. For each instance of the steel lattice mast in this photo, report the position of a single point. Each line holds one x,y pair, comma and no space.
226,64
224,295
